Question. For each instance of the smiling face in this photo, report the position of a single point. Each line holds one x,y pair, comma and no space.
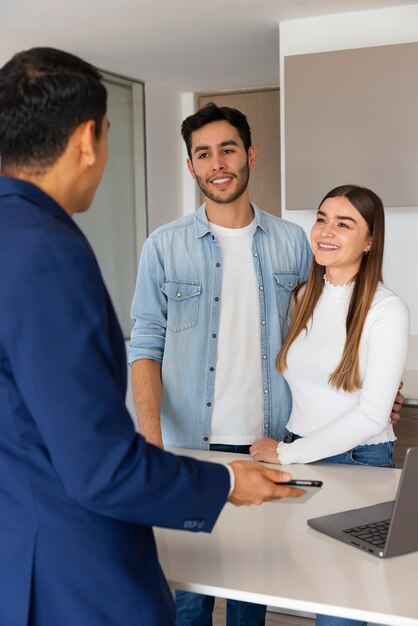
219,162
340,237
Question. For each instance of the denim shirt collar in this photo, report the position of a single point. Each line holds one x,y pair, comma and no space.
202,225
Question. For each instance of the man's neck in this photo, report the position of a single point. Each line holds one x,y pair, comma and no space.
56,181
47,185
237,214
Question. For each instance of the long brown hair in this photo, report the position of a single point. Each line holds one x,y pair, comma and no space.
346,376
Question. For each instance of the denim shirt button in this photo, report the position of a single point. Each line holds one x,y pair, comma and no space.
178,294
211,369
205,438
208,403
290,284
255,253
216,299
261,288
264,356
266,391
214,335
263,322
218,265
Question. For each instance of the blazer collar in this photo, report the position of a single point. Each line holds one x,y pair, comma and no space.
35,195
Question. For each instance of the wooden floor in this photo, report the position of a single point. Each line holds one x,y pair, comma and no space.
272,619
406,432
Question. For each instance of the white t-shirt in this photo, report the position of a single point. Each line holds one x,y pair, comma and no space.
238,398
332,421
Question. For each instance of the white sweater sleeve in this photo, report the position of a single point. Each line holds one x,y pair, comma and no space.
387,338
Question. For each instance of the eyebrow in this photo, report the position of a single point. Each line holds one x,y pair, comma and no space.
339,217
228,142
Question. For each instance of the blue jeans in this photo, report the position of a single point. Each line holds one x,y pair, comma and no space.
379,455
195,609
329,620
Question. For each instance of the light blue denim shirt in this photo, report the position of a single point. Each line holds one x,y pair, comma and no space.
176,317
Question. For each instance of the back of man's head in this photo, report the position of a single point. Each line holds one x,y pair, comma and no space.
45,94
212,113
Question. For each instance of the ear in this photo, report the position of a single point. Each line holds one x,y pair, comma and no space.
191,168
368,247
87,143
252,156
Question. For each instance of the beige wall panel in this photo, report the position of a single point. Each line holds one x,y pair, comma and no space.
351,116
263,113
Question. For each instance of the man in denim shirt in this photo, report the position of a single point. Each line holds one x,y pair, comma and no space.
210,313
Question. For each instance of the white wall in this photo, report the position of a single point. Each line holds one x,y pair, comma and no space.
170,188
164,156
190,195
356,30
8,49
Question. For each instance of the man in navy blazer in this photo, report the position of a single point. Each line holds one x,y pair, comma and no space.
79,489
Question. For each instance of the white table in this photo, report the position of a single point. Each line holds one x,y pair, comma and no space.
269,555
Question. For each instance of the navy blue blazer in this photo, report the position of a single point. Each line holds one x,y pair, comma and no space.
79,489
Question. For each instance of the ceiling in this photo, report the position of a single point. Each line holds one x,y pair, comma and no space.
189,45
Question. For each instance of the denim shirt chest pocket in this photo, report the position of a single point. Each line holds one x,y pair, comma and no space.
285,283
182,304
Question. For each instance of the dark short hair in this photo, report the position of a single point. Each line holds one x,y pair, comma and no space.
44,95
212,113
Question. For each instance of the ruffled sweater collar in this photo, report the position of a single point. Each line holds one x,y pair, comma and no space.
338,291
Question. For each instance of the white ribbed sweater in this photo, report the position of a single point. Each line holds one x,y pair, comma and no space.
333,421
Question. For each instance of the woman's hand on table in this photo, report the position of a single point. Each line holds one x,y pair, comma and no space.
265,449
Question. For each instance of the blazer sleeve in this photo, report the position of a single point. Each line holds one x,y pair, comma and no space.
59,337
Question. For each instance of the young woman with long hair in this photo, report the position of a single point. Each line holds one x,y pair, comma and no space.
347,343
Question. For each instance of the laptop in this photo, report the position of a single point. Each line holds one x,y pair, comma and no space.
386,529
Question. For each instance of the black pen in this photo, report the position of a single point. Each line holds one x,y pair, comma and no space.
302,483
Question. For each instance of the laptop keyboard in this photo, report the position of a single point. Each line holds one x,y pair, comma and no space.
375,533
